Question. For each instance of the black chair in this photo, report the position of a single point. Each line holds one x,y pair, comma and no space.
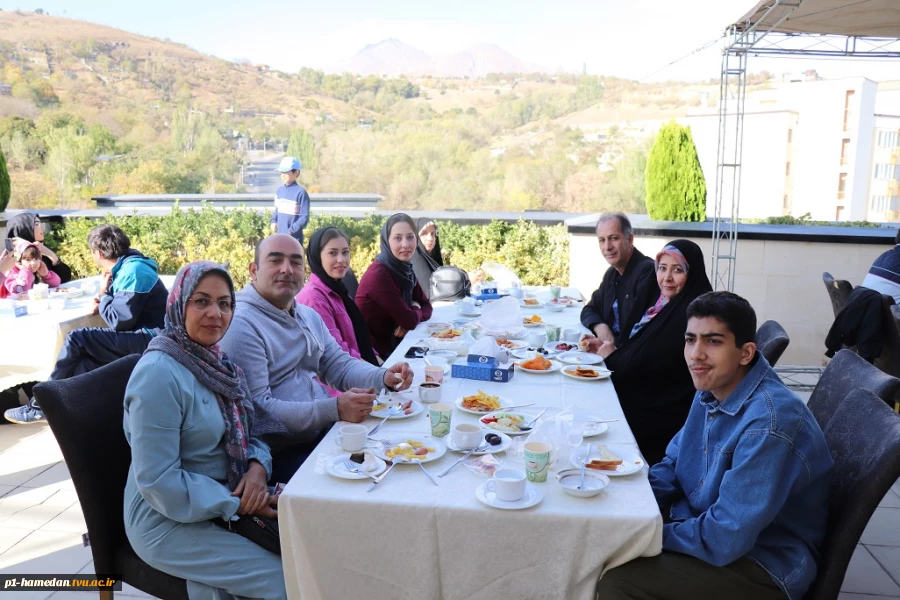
838,291
846,372
771,341
863,437
351,283
85,414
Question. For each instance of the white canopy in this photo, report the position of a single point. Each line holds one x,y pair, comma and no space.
859,18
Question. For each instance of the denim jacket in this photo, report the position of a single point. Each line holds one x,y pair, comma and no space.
748,476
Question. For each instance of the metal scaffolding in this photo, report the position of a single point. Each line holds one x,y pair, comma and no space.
762,38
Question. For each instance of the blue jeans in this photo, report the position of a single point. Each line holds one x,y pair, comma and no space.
90,348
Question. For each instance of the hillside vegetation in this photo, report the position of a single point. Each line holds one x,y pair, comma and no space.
93,110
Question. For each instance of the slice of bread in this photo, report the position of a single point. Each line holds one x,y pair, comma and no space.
607,461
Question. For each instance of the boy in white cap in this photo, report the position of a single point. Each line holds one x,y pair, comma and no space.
291,201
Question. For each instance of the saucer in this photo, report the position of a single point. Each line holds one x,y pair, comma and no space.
336,468
532,496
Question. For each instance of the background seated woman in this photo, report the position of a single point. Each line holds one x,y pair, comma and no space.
390,296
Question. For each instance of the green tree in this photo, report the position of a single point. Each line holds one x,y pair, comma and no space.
676,189
303,146
4,184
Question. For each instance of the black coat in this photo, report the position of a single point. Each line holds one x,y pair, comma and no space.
636,290
859,324
651,377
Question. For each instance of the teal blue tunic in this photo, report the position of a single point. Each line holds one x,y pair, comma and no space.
176,484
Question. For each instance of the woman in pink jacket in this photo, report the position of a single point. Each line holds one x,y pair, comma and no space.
328,255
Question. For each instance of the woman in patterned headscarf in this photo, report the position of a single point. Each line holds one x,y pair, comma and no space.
195,455
652,380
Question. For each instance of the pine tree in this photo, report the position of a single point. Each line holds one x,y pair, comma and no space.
4,184
676,189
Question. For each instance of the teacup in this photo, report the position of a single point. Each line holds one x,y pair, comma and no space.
467,305
537,339
571,336
352,438
429,392
507,484
517,292
466,436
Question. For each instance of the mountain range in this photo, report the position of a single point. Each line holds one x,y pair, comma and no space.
392,57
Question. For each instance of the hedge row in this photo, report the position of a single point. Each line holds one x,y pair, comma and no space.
539,255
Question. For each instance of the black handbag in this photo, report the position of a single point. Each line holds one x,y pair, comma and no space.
449,283
261,531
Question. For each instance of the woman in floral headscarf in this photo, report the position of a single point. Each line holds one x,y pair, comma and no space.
652,380
195,458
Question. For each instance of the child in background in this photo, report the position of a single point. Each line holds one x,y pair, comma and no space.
28,270
291,201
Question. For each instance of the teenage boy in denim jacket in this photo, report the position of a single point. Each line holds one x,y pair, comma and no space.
743,489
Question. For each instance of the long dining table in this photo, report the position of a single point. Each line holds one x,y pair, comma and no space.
411,539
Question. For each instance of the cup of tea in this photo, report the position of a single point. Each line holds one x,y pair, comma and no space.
434,374
466,436
440,415
537,461
430,391
537,339
352,438
507,484
571,336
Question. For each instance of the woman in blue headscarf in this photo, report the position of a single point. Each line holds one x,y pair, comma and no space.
196,456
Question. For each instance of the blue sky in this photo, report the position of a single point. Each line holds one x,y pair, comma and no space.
629,38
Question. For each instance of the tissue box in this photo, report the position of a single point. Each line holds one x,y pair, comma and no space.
484,296
488,288
479,359
483,372
21,311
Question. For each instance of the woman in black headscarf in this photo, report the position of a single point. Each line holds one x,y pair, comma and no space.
389,295
27,226
328,256
652,380
427,258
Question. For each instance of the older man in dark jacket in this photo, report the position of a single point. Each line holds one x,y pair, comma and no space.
629,286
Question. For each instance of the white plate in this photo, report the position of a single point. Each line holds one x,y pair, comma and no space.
416,407
512,344
434,335
537,306
552,346
70,292
554,367
525,417
505,441
603,374
529,324
576,357
631,460
532,496
595,429
335,467
397,439
437,326
527,352
503,402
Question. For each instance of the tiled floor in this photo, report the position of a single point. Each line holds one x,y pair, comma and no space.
41,524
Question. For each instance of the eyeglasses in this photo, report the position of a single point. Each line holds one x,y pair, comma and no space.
204,304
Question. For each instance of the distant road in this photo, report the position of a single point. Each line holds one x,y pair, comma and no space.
259,171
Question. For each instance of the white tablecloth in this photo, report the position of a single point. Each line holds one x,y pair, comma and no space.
411,539
30,344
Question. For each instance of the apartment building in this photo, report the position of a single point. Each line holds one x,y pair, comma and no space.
829,148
